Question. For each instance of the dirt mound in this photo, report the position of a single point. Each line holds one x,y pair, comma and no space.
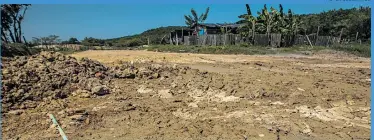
51,75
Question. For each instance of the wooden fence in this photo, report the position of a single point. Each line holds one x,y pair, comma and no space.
213,40
232,39
273,40
316,40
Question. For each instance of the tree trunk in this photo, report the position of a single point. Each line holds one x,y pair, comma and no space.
19,25
11,36
15,29
24,39
4,38
19,32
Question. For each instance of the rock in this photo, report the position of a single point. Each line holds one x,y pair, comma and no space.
261,135
100,90
277,103
72,111
98,108
175,66
193,105
156,66
16,112
350,102
155,75
82,93
300,89
174,85
165,93
77,117
99,75
307,131
143,89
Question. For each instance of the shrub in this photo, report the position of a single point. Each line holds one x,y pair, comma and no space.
17,49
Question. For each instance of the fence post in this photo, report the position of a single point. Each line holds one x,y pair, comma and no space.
317,36
182,36
309,41
176,38
171,41
356,36
340,36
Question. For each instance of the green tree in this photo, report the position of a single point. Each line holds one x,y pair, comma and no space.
12,16
73,40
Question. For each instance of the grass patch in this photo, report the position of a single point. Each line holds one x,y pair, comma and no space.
247,50
363,50
359,50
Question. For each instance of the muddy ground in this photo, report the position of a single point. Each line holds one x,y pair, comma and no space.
148,95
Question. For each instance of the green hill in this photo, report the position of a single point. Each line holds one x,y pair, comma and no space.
331,22
154,35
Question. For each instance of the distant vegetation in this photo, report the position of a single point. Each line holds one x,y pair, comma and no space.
154,35
342,22
332,22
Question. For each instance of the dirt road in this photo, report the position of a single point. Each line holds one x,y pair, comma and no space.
321,96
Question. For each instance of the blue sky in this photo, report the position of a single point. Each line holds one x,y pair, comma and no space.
110,21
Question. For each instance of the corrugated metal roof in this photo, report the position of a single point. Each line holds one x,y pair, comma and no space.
218,25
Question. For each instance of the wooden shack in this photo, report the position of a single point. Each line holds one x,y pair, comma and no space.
177,37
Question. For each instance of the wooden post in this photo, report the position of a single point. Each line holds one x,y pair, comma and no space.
328,41
182,36
317,35
162,39
176,38
171,41
309,41
356,36
148,40
340,36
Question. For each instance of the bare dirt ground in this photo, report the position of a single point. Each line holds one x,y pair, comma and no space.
291,97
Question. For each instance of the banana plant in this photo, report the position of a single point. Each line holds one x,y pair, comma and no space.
250,23
194,19
292,26
267,20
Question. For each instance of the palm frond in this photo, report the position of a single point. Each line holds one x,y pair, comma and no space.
194,14
206,14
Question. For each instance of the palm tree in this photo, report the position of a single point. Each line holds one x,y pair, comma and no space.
195,20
